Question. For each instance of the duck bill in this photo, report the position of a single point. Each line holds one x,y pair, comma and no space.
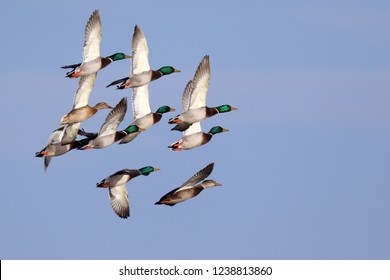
234,108
128,56
225,130
172,109
156,169
176,70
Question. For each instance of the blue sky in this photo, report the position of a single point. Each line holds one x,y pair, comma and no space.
304,167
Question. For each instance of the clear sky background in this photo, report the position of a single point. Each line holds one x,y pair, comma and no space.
304,168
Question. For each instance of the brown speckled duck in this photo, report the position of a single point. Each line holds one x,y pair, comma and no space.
190,188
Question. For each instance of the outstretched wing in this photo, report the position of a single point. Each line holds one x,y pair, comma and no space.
119,200
114,118
140,61
198,176
92,37
201,83
140,101
83,91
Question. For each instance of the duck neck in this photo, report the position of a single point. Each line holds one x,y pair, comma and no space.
156,75
211,111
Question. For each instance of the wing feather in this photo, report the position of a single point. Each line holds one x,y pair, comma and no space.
140,61
194,128
187,95
201,82
70,133
140,101
114,118
92,37
198,176
120,200
83,91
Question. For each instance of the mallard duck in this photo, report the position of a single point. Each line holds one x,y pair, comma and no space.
141,74
55,148
108,133
116,184
81,110
80,101
195,137
83,113
92,61
194,99
190,188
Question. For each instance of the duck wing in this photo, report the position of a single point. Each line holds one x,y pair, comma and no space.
114,118
83,91
92,37
140,101
201,82
194,128
198,176
119,200
140,63
140,60
70,133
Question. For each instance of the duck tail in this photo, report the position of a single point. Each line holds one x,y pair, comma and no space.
123,81
181,127
74,66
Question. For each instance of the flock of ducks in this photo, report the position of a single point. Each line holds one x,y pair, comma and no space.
63,139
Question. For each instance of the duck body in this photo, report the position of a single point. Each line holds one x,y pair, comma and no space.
119,178
58,149
87,68
104,141
146,122
83,113
190,188
140,79
187,118
116,184
195,137
191,141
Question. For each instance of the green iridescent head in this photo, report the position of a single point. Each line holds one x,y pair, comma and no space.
147,170
119,56
164,109
217,129
166,70
132,129
225,108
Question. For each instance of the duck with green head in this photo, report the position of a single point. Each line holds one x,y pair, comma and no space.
140,73
116,184
194,99
190,188
92,61
195,137
108,133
